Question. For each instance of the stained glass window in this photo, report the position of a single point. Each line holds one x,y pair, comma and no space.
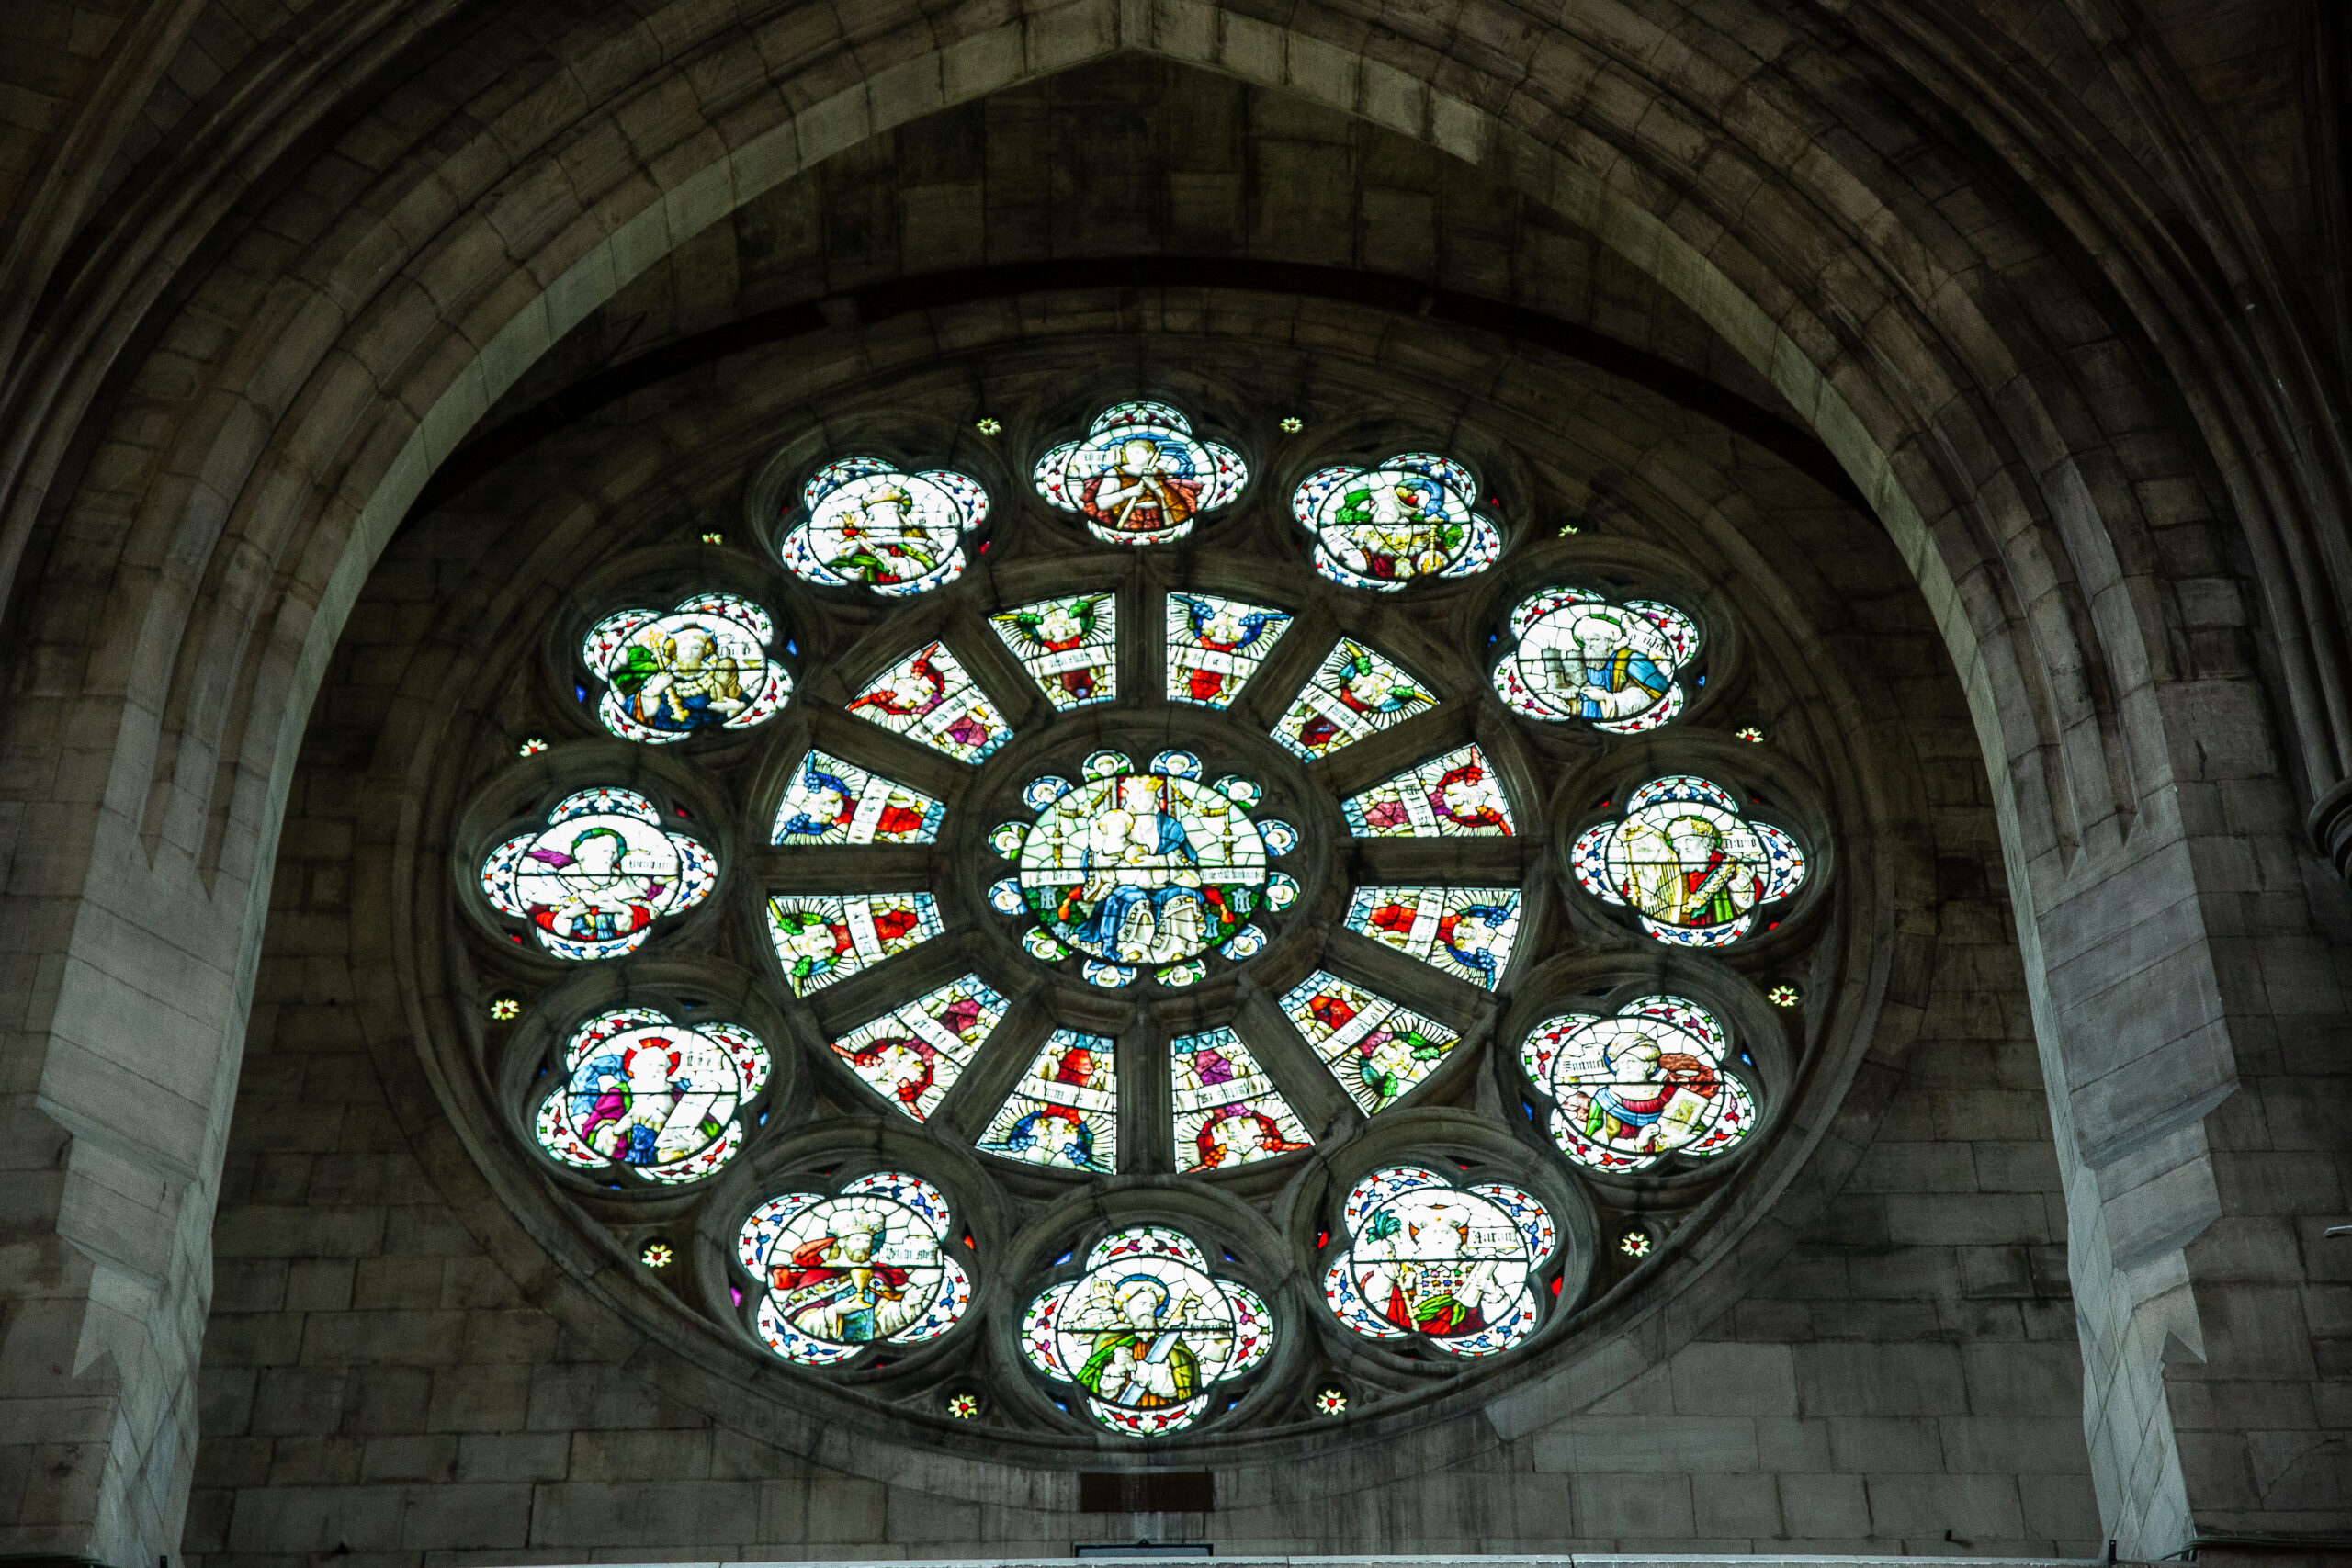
647,1097
1355,692
596,877
1580,657
830,801
1139,476
1140,868
1637,1087
1377,1049
928,697
1463,931
1455,796
1215,645
840,1275
1147,1331
1693,871
703,665
1070,646
1410,516
1065,1111
1455,1265
822,937
865,523
912,1057
1229,1112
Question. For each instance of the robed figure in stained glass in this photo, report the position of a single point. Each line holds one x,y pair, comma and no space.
834,1285
1142,1364
1657,1097
1145,491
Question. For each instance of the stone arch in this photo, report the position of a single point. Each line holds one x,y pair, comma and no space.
302,418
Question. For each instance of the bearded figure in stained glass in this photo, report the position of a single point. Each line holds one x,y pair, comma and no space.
1145,1363
1139,476
1147,489
1612,666
1682,875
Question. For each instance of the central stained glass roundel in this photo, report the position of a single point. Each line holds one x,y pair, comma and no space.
1140,868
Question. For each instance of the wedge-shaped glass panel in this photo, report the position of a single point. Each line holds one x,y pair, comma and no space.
1229,1112
1215,645
1146,1331
1063,1113
1070,646
1354,693
913,1056
1465,931
822,938
1139,476
830,801
1377,1049
1455,796
928,697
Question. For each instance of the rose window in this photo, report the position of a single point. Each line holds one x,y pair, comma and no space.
1003,949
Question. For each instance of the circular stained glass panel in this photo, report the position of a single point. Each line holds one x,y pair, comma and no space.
701,666
597,877
646,1096
861,1269
1612,666
1455,1264
1637,1087
1409,518
1143,868
869,524
1146,1331
1692,869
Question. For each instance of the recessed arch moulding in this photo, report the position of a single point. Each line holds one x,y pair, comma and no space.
198,559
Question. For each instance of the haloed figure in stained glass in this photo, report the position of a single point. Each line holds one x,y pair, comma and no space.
841,1287
1129,920
1145,1363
